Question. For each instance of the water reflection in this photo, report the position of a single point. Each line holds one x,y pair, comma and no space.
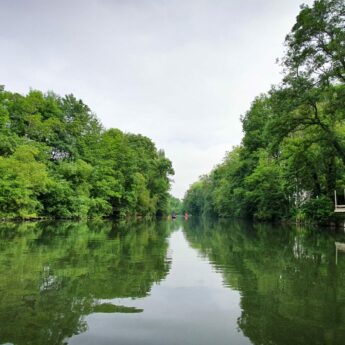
52,275
291,290
209,282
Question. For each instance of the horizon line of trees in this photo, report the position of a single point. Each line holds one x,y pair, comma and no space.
292,156
58,161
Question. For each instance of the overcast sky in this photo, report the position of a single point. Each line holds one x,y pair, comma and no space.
178,71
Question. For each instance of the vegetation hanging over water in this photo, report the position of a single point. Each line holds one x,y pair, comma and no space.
292,156
57,161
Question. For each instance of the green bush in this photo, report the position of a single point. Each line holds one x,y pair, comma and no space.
318,210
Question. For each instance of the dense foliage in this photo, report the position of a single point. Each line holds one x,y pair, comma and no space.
56,160
175,205
292,156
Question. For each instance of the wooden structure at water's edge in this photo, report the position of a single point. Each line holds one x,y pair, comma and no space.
338,208
339,246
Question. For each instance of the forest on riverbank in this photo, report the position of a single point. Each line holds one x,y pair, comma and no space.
292,156
58,161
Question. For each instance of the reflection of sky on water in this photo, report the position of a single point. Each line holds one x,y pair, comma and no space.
191,306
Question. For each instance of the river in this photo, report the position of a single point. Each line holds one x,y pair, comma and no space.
170,282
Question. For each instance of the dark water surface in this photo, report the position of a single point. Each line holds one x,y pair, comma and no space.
184,282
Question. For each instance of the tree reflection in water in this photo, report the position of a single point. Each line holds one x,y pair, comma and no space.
54,274
292,292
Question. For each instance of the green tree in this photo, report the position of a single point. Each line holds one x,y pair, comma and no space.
89,171
23,180
292,156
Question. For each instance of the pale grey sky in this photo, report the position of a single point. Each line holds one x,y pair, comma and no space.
179,72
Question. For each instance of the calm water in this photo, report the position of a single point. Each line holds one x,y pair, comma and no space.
180,282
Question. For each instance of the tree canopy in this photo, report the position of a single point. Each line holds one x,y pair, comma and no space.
58,161
292,156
